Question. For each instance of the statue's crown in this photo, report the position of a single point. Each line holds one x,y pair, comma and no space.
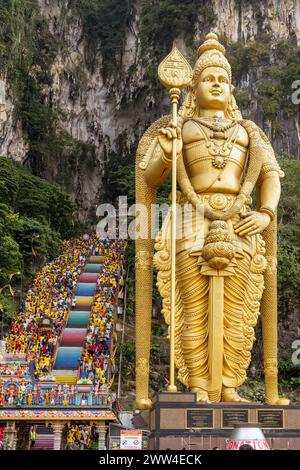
211,54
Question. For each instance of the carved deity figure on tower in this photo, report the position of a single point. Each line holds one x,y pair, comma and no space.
226,270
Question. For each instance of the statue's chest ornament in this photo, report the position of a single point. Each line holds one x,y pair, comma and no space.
220,154
219,131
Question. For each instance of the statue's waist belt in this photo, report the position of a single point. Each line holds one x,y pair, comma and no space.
193,226
216,201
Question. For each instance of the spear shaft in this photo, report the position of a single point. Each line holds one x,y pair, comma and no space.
174,95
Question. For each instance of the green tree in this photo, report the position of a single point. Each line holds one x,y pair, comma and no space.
34,219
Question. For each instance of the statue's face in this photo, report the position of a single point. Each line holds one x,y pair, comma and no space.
213,89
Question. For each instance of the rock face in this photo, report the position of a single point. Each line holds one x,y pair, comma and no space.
12,139
246,20
94,111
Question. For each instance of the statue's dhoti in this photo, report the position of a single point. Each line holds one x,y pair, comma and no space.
216,309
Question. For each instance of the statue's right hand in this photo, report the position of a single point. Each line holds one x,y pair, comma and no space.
165,139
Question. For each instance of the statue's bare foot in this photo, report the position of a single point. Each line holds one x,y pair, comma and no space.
231,395
202,395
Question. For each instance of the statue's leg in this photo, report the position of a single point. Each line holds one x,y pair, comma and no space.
242,294
194,294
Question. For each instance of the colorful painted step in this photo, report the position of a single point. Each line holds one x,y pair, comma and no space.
89,277
93,268
84,300
85,289
65,376
67,358
78,319
96,259
73,336
70,349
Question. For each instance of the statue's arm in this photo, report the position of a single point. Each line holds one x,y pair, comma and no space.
270,190
158,168
269,194
270,187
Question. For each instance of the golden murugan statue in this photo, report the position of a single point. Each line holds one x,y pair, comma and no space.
222,281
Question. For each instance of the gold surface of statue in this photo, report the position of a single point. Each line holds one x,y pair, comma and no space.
224,277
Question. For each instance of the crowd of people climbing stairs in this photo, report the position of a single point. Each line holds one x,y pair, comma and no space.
49,297
43,315
97,345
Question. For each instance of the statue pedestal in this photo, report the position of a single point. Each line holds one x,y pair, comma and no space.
177,421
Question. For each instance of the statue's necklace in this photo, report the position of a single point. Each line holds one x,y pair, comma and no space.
216,124
220,153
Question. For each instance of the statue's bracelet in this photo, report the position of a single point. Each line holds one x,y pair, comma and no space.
166,160
268,210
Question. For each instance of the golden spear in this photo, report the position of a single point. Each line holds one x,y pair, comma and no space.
175,74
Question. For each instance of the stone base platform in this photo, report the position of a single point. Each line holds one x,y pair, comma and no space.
178,421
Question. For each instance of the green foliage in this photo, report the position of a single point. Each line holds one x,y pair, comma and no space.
275,81
253,390
154,352
161,21
37,120
104,25
128,350
288,214
10,257
17,18
243,100
27,49
291,72
281,49
119,171
7,309
128,357
288,236
270,98
245,3
36,216
275,88
34,197
288,274
242,57
38,241
289,373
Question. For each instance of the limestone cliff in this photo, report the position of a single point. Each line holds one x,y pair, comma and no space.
95,101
